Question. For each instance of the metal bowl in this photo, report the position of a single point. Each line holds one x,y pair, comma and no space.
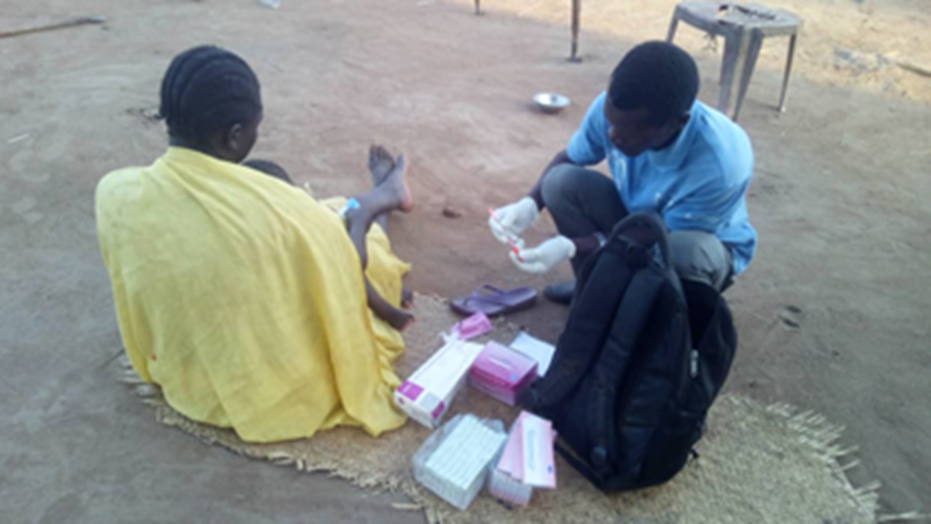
551,102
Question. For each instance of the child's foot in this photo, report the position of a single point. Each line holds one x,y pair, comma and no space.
381,164
391,175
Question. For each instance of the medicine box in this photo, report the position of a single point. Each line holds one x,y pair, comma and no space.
426,395
455,461
503,373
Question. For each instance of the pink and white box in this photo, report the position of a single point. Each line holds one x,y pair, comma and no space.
502,373
527,461
426,395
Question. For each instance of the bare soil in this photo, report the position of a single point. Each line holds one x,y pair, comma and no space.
833,314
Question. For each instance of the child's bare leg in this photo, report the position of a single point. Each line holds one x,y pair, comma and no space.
390,193
381,164
396,318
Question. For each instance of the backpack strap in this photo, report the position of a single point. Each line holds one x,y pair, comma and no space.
646,228
590,318
594,306
616,356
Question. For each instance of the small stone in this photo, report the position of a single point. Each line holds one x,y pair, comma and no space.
451,212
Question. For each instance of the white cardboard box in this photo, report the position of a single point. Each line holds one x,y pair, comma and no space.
536,349
426,395
454,462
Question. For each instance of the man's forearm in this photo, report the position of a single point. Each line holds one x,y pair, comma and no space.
537,192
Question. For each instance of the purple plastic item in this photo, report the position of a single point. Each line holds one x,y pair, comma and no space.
474,326
494,301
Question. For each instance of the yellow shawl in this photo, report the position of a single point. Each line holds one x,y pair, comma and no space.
243,298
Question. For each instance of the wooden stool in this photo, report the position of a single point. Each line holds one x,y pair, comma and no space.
743,26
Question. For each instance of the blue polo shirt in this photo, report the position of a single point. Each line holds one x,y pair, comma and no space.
697,183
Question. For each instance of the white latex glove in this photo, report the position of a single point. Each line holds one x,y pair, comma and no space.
546,256
508,222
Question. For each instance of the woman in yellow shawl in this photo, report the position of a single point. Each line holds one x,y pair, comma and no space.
241,296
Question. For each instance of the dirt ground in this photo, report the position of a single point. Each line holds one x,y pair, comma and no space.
832,315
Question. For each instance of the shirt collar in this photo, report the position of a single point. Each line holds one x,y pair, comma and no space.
674,154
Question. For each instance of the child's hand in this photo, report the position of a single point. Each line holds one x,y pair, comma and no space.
407,298
400,320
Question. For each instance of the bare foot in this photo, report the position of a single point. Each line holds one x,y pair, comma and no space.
381,164
391,175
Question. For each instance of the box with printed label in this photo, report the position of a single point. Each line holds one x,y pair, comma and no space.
426,395
503,373
527,461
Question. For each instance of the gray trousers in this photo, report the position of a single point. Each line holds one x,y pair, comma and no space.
584,202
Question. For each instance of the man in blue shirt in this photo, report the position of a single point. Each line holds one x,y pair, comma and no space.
667,152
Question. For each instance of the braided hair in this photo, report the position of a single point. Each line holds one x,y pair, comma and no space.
205,91
657,76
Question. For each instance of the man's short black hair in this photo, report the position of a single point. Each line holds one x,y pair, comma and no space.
207,89
657,76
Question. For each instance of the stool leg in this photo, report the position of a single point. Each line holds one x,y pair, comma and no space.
478,7
735,51
753,51
671,34
576,13
788,74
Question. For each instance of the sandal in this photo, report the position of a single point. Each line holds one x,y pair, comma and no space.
493,301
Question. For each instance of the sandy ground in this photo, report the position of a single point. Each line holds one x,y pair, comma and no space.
833,313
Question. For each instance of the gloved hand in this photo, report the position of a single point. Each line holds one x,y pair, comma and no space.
510,221
546,256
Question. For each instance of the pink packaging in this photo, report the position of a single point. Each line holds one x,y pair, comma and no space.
502,373
474,326
527,461
427,393
536,458
505,482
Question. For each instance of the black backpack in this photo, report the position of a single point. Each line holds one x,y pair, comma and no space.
641,360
